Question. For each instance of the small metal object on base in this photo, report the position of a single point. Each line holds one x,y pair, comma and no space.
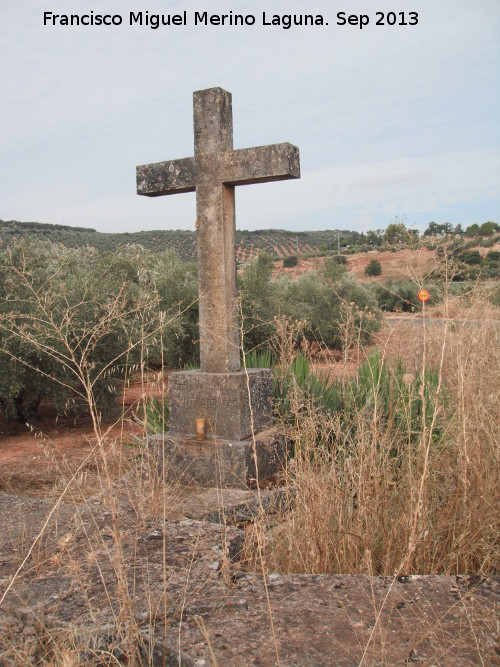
200,429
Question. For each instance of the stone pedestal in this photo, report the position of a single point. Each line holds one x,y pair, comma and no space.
227,401
221,463
234,405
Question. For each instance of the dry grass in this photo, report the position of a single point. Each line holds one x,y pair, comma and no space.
387,503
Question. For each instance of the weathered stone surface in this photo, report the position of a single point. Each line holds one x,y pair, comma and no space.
177,572
166,178
345,620
236,506
262,164
222,463
233,404
213,172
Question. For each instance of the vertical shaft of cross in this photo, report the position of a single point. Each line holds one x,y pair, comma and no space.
213,141
213,172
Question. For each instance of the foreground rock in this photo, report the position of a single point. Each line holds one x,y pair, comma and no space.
96,586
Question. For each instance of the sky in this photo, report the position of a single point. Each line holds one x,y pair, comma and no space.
392,121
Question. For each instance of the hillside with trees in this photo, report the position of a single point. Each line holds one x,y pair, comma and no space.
274,242
277,243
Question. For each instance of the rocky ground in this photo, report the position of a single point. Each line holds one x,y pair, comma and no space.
97,563
88,582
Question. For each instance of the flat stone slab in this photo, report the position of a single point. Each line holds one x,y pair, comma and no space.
346,620
192,570
233,404
23,518
221,463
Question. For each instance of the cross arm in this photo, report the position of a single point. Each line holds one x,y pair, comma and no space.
275,162
166,178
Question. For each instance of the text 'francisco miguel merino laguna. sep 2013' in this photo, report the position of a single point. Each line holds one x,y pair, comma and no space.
231,19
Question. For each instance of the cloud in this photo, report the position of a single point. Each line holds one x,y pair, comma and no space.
388,119
360,195
362,190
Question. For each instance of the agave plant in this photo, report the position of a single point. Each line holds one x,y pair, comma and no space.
381,390
153,416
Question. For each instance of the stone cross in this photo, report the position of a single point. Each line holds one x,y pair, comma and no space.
213,173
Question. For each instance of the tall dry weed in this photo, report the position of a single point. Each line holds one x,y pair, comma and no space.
388,502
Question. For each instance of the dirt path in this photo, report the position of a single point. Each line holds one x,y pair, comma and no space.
38,457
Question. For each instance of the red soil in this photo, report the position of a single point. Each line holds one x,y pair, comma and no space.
52,441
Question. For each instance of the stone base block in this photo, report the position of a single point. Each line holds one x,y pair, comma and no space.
223,400
221,463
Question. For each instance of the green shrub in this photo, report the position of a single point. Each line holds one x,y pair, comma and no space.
493,256
373,268
488,243
473,273
59,330
333,270
397,295
76,323
471,257
491,265
337,314
491,271
290,261
258,298
176,283
328,302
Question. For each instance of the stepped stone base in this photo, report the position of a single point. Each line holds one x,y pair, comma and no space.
221,463
223,400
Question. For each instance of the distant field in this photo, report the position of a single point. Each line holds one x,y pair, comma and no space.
310,247
400,264
248,243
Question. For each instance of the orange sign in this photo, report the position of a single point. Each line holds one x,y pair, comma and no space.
423,295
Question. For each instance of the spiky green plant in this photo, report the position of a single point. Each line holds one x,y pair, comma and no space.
153,416
397,401
400,401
